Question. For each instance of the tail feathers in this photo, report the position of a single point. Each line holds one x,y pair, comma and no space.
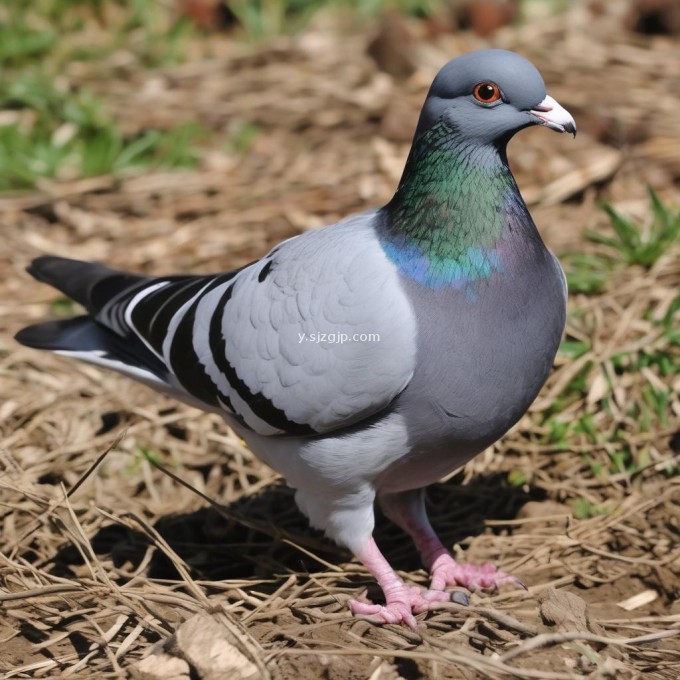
88,283
85,339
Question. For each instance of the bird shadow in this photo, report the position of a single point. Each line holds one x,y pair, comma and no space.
216,546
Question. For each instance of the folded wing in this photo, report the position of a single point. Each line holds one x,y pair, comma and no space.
313,338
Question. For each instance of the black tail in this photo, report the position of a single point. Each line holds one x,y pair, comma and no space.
92,342
85,337
88,283
61,335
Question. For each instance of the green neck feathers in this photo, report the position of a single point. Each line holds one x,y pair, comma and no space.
446,223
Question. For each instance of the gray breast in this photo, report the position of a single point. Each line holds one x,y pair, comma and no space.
482,359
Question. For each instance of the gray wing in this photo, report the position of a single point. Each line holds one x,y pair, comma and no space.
316,336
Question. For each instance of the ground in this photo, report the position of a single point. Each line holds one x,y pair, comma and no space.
124,514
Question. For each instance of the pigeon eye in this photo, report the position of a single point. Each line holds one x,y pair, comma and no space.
487,93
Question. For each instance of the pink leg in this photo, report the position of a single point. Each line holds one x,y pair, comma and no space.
401,600
407,509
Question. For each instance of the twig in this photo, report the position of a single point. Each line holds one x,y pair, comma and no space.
40,592
549,639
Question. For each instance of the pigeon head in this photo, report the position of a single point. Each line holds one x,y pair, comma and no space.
457,207
488,95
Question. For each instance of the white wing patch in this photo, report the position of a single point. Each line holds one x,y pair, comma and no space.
101,358
133,303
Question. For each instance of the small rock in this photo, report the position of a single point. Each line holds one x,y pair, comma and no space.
161,667
485,17
566,611
392,47
208,648
460,597
200,649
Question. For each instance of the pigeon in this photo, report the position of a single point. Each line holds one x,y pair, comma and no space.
367,359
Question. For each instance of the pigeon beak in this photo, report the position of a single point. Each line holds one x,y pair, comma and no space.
554,116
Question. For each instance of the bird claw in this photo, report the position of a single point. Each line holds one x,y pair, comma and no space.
392,612
400,606
447,572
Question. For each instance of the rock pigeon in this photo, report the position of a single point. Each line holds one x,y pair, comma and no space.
367,359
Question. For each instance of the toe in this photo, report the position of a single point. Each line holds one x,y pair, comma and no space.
393,612
364,608
447,572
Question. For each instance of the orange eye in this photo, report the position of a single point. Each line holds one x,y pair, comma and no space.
487,93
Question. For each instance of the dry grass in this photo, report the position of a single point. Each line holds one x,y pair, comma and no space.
103,553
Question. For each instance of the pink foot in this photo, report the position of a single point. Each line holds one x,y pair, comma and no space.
446,571
402,602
